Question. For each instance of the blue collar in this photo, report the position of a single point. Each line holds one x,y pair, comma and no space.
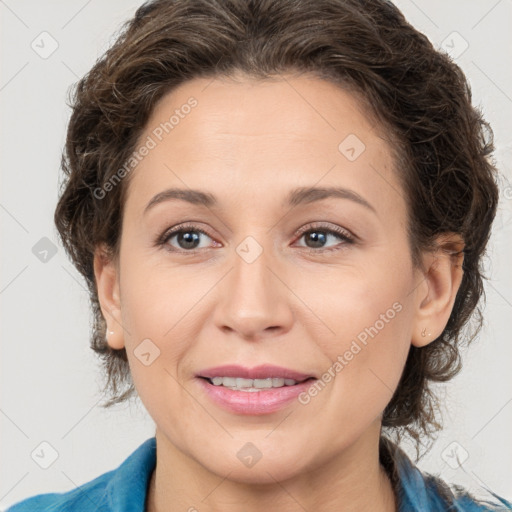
127,490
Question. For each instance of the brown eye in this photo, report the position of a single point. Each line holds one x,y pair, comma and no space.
185,238
318,238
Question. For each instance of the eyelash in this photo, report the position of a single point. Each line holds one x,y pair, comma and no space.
340,233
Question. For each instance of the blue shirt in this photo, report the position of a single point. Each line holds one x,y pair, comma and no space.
124,489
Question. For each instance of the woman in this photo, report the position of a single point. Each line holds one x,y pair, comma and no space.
280,208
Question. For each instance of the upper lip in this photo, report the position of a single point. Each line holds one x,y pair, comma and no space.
264,371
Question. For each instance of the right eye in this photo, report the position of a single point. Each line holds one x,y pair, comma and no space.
183,239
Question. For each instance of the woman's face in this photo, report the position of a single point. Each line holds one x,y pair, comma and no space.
269,282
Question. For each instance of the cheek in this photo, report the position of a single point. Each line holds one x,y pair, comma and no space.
164,310
369,315
358,302
158,318
158,298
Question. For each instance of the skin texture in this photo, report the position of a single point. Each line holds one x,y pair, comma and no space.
249,143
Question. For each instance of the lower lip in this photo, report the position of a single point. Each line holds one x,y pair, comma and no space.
256,403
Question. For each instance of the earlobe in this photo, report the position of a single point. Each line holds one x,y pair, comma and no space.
436,295
107,285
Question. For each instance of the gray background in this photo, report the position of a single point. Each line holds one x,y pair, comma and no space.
50,378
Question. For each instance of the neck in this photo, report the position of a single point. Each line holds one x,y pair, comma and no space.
351,481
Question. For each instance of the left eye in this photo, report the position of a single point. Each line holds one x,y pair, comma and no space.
317,238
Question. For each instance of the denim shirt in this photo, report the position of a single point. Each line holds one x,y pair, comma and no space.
124,489
417,491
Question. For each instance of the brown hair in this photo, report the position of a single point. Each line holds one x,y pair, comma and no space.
423,98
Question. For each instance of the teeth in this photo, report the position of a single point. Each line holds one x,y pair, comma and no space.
241,384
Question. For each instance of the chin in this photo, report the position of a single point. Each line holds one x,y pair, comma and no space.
256,464
262,473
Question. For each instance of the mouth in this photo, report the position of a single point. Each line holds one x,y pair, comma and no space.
264,376
253,385
253,391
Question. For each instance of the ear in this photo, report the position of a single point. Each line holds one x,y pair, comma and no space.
436,293
107,284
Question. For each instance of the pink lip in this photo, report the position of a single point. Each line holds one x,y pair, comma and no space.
264,371
255,403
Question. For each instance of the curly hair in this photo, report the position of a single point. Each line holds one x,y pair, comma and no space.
417,93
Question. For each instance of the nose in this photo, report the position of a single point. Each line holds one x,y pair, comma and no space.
255,301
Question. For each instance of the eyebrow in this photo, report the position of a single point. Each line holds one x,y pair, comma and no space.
302,195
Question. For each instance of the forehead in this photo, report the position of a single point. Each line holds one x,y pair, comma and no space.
246,134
